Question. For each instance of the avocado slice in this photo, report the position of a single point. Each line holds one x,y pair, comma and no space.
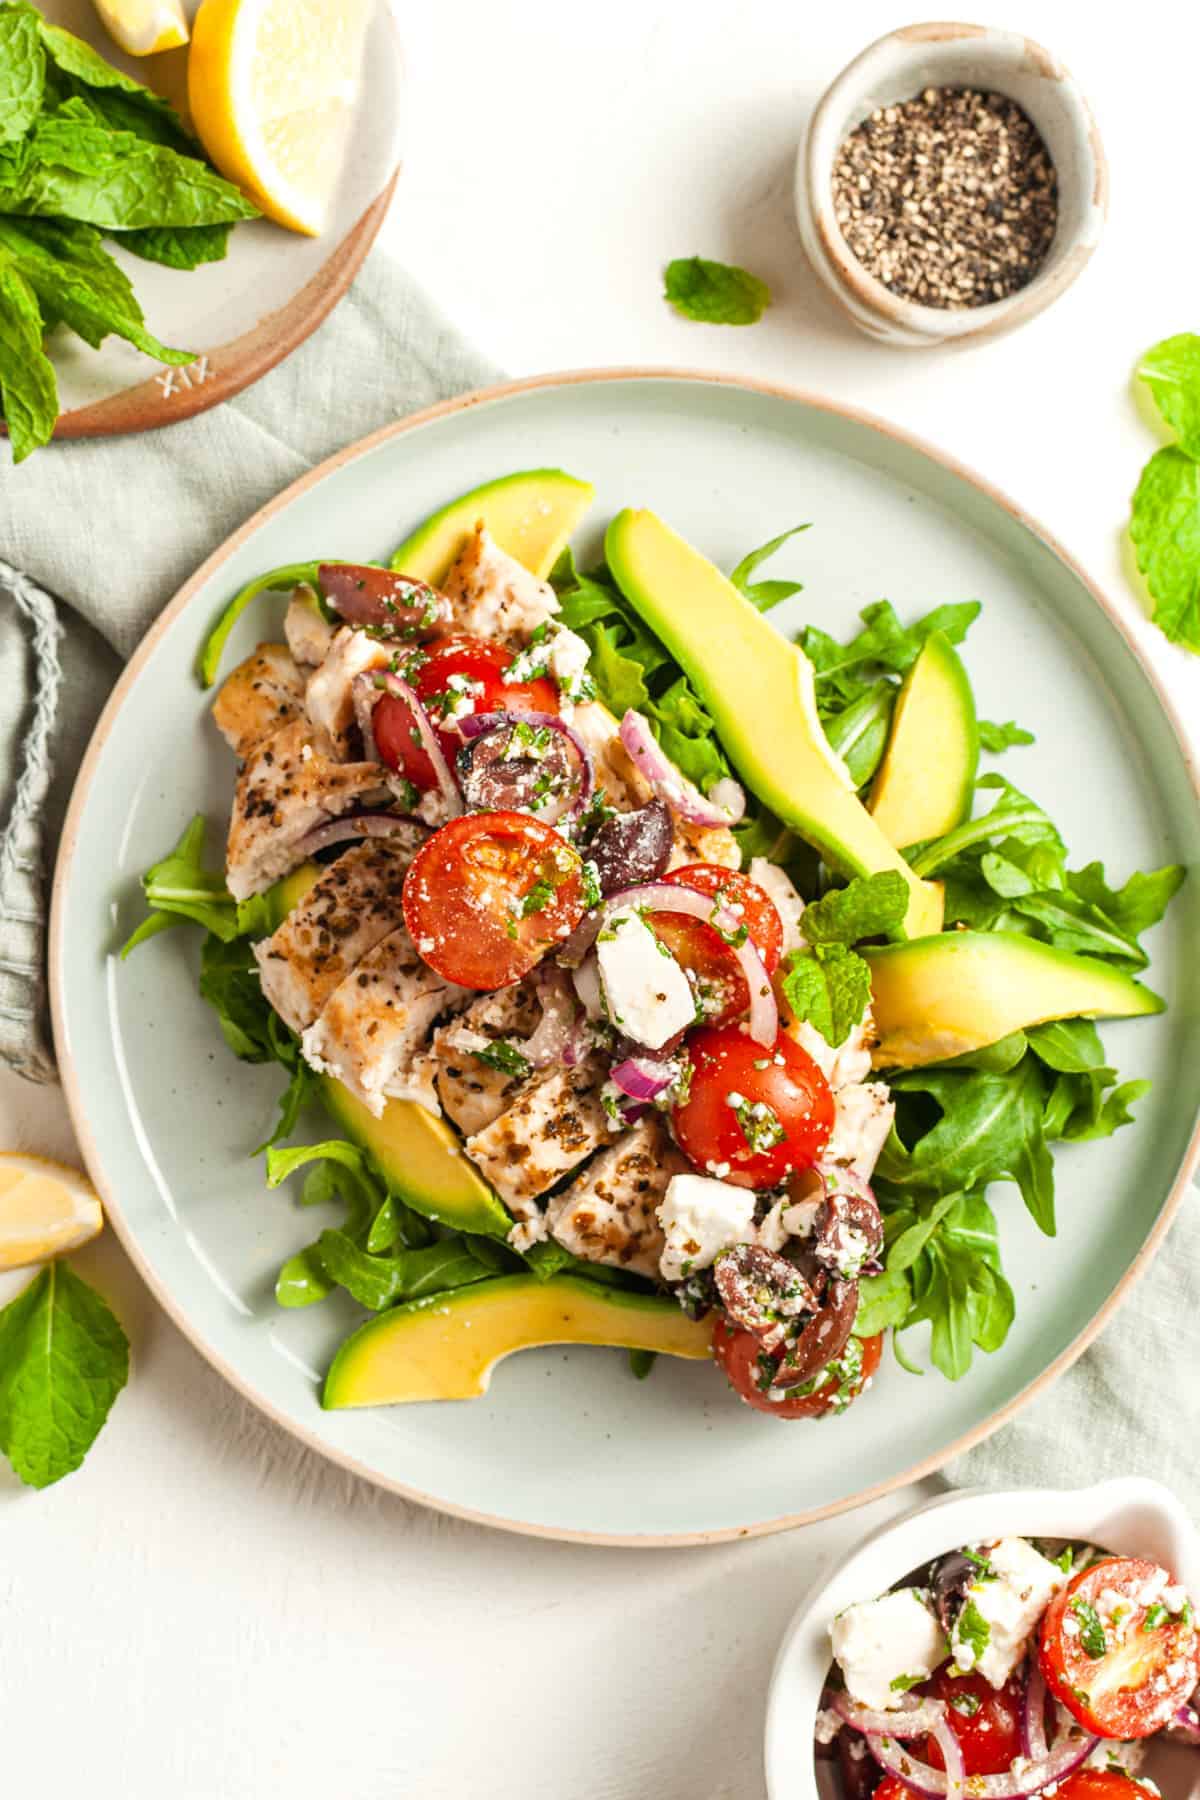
760,692
943,996
530,514
926,780
445,1347
420,1157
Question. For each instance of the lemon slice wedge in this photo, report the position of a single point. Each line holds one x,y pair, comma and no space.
144,27
46,1209
271,88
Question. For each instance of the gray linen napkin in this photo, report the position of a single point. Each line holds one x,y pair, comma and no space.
111,528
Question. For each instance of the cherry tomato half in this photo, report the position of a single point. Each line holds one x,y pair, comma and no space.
441,673
748,1372
1120,1664
700,948
487,895
1102,1784
719,1123
891,1787
985,1720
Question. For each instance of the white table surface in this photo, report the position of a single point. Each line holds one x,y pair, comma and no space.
207,1611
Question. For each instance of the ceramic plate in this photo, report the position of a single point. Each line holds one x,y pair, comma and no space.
243,315
567,1444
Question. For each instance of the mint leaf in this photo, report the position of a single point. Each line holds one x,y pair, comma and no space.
765,594
715,293
63,1361
179,247
1002,737
76,59
28,390
22,71
1165,531
73,275
1171,370
869,906
830,987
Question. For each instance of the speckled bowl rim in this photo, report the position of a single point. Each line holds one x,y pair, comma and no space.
842,268
73,1090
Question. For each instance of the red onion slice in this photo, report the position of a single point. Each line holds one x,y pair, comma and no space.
956,1769
1029,1778
1033,1713
916,1718
724,806
662,896
391,683
642,1077
476,724
360,825
552,1036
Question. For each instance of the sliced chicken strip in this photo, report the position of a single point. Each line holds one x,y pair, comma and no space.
495,596
704,843
473,1092
618,779
862,1119
308,633
372,1030
346,912
290,785
607,1214
329,699
556,1121
262,694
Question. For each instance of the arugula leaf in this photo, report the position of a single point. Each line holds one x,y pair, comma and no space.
996,738
274,581
714,293
1171,371
944,1253
641,1362
179,246
378,1282
1133,908
180,887
28,389
830,987
859,733
1014,816
884,643
63,1360
22,71
1069,1046
765,594
1165,532
869,906
67,268
883,1300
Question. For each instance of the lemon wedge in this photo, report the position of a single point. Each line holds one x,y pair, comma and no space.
271,87
144,27
46,1209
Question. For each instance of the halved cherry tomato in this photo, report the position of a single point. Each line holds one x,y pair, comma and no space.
701,949
1102,1784
891,1787
442,673
719,1123
1119,1664
749,1372
487,895
985,1720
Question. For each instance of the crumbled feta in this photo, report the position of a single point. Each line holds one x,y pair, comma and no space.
826,1725
885,1646
646,993
785,1220
560,654
788,904
1123,1758
700,1218
1002,1606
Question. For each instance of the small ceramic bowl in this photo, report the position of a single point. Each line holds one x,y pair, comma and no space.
1130,1515
947,55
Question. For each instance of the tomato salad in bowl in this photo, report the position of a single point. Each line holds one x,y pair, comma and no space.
621,1046
1008,1669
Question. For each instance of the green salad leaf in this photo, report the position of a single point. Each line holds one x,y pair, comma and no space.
179,887
1171,371
714,293
63,1360
765,594
1165,532
996,738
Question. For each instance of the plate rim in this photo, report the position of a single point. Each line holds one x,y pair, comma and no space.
72,1090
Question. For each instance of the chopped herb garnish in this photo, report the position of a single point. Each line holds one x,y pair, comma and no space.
592,895
536,900
760,1124
1154,1616
1091,1631
902,1683
966,1704
505,1056
973,1630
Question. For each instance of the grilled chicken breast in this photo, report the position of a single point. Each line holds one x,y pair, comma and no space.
350,909
607,1214
554,1123
308,634
290,785
373,1029
262,694
495,596
472,1092
329,698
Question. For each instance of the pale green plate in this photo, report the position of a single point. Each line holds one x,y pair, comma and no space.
568,1443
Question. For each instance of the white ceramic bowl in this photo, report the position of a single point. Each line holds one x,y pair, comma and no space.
1130,1515
895,68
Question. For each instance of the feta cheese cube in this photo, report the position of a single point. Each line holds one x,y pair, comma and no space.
646,993
700,1218
1001,1608
883,1647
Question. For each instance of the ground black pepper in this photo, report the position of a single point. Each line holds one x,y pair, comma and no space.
949,199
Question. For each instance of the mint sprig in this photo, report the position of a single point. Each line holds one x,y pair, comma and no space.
714,293
63,1360
1164,525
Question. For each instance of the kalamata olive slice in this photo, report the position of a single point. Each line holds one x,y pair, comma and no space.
762,1292
949,1580
847,1234
632,847
859,1771
383,601
518,767
824,1337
